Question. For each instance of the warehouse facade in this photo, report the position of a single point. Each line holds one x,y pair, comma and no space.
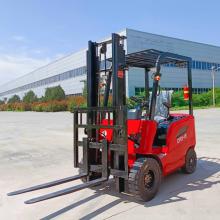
70,71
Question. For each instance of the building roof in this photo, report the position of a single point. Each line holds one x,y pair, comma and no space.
148,58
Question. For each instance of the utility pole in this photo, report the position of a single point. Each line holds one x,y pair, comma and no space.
214,69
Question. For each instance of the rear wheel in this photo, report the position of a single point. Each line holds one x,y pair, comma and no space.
145,178
190,162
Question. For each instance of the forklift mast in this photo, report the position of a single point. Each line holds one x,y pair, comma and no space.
119,113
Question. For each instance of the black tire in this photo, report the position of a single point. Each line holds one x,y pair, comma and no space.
145,178
190,161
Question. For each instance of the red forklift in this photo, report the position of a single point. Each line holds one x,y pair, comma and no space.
130,145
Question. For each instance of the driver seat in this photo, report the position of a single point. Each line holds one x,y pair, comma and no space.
163,104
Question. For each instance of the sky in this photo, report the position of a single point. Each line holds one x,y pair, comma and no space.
36,32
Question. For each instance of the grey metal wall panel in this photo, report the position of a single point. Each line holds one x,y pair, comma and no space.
172,77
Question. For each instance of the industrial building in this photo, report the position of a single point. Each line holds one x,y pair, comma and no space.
70,71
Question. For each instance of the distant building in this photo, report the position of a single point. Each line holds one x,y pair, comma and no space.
70,71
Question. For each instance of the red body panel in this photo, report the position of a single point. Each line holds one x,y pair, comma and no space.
147,129
180,137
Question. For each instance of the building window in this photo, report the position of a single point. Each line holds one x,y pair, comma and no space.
209,66
139,90
204,65
198,65
60,77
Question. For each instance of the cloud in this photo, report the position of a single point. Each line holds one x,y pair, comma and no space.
13,66
18,38
37,51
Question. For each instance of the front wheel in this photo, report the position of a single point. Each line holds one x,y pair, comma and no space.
190,162
145,178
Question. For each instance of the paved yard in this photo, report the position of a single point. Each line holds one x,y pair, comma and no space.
37,147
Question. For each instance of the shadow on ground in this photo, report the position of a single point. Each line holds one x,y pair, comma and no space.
206,175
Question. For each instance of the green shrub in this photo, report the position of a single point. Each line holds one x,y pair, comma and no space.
54,93
2,102
14,104
199,100
203,99
207,98
217,96
53,106
76,101
30,97
56,107
18,106
131,103
85,89
83,105
14,99
3,107
196,100
178,99
37,107
9,107
71,106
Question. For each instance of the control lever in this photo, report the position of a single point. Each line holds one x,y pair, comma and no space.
135,138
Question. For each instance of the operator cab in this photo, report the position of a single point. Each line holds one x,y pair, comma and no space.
162,116
157,103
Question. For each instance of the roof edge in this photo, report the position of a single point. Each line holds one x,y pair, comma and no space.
160,35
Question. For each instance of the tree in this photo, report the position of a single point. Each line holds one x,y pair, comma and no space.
14,99
30,97
54,93
2,102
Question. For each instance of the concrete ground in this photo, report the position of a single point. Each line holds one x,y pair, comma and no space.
37,147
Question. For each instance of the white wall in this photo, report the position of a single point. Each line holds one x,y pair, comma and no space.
67,63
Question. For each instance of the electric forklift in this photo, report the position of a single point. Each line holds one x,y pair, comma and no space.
130,145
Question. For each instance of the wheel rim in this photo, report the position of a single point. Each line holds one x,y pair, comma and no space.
191,163
149,179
